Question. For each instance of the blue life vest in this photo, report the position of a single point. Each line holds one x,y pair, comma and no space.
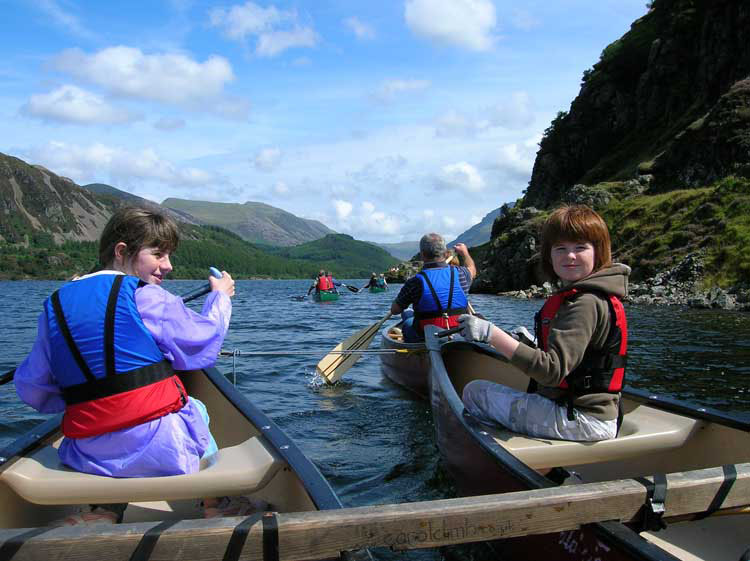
443,300
108,365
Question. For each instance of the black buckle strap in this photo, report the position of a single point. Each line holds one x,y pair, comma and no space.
653,509
10,547
145,547
270,537
730,476
239,536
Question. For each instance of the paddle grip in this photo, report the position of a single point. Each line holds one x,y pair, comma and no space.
197,293
451,331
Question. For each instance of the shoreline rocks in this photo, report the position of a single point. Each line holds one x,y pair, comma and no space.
679,286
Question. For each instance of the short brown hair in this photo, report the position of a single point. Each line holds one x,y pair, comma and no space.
576,223
137,228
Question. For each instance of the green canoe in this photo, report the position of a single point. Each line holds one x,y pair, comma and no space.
326,296
377,289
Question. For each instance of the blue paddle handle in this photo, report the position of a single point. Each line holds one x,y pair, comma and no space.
198,292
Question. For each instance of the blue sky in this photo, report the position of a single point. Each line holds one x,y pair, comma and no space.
383,120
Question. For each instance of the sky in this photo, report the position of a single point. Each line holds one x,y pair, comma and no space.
382,119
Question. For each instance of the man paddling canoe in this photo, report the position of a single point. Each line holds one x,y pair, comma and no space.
438,293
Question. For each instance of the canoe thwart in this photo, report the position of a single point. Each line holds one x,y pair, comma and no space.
427,524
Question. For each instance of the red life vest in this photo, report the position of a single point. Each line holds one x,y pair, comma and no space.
325,283
601,370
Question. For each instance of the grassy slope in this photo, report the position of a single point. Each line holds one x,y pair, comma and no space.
656,231
342,255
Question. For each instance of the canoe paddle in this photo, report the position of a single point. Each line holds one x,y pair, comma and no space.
192,295
343,356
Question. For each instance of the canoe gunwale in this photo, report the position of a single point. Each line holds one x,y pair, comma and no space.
30,439
315,484
615,532
642,396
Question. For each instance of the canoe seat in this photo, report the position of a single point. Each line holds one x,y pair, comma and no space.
40,478
644,430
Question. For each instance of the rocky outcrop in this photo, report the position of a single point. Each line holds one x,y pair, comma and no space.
35,202
658,142
711,147
513,261
658,90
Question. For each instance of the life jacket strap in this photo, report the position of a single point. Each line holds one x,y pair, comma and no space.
123,382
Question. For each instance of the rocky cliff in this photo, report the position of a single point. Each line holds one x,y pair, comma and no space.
658,141
35,201
668,99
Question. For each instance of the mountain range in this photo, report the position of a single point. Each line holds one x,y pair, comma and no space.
49,228
254,222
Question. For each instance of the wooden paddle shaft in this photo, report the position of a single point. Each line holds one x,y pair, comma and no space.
320,535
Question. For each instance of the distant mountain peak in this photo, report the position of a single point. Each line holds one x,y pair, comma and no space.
254,221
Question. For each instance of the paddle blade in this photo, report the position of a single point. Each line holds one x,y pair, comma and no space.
333,366
352,288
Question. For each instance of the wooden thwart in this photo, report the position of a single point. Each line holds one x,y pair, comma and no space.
320,535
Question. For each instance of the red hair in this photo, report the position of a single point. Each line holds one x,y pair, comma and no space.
576,223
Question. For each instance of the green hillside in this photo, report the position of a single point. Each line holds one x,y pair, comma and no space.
342,255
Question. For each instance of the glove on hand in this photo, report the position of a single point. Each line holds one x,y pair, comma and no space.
475,329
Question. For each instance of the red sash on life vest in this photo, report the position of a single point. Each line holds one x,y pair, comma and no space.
124,409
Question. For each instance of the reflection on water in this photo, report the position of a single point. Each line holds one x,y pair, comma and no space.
372,440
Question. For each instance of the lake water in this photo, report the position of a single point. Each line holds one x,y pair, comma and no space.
372,440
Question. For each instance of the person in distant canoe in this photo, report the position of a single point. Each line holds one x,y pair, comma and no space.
376,282
579,366
324,283
372,282
118,324
438,293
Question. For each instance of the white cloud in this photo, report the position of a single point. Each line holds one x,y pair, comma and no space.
517,159
390,89
465,23
462,176
343,208
129,72
267,159
365,221
71,104
456,124
448,222
275,42
82,163
167,124
281,188
238,22
359,28
276,30
513,113
67,21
